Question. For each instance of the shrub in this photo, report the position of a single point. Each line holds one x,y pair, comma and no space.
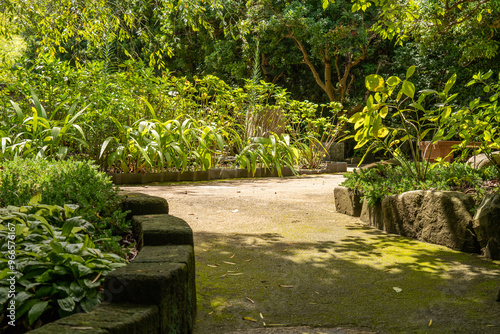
385,180
62,182
55,270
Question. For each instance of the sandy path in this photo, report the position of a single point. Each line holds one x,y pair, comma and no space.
273,256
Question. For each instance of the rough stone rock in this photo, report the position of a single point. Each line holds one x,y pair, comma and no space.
141,204
372,215
162,284
486,224
335,152
347,201
383,162
481,161
439,217
158,230
108,319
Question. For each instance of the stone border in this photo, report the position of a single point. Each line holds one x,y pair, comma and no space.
156,292
444,218
217,174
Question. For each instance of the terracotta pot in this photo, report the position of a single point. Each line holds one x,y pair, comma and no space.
440,149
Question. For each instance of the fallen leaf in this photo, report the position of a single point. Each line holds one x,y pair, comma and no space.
190,214
248,260
261,316
82,328
222,275
231,263
212,266
235,274
430,323
236,210
251,301
286,286
398,290
249,319
232,256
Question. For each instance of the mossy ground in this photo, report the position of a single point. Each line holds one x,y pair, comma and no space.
273,253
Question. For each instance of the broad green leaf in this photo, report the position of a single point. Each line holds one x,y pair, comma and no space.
374,82
384,111
383,132
67,304
408,89
36,311
450,83
20,114
410,72
487,75
393,81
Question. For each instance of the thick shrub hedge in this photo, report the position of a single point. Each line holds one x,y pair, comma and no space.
65,182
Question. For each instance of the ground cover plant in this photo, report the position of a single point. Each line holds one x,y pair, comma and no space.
385,180
67,182
51,267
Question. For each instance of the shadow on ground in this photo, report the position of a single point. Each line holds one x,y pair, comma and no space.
375,281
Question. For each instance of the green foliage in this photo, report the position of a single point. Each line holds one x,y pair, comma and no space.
479,121
392,119
62,182
471,24
57,268
385,180
35,134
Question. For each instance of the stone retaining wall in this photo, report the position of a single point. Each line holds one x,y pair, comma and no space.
218,174
440,217
156,292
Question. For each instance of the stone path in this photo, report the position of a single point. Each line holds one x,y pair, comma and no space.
273,256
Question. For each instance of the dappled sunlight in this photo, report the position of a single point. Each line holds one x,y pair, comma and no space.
359,280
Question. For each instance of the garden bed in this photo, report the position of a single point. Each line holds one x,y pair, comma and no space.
435,212
219,173
156,293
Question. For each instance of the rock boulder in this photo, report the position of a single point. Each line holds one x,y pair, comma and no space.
486,225
481,160
347,201
439,217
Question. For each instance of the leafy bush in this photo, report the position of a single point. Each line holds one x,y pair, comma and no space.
62,182
134,121
385,180
56,271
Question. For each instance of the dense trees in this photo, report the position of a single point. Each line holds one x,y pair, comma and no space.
319,50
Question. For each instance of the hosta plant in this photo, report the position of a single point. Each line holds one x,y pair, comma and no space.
56,271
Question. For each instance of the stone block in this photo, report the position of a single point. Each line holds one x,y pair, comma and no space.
162,284
108,318
486,225
175,254
162,229
214,173
335,152
347,201
372,215
438,217
141,204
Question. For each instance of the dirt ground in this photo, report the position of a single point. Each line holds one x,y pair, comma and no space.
273,256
